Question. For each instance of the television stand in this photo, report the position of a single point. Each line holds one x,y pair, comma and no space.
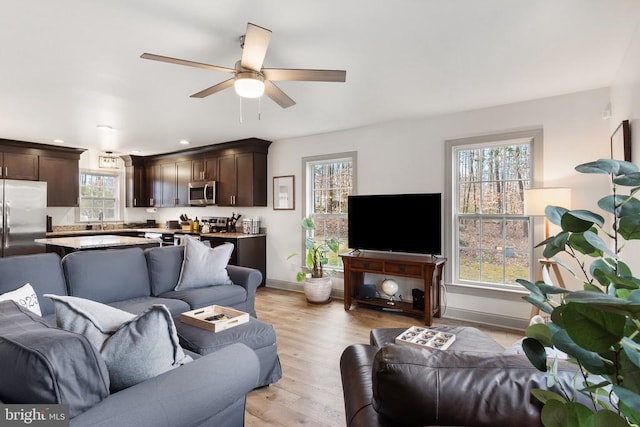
425,267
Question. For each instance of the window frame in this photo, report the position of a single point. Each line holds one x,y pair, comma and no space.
117,198
307,191
451,247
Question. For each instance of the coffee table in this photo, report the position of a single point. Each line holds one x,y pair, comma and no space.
467,338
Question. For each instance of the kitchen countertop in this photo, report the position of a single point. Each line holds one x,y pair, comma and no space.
93,242
158,230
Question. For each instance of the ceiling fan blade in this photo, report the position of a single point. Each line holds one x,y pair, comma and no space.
278,96
215,88
256,42
185,62
305,75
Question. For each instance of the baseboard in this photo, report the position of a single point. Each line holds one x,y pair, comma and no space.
489,319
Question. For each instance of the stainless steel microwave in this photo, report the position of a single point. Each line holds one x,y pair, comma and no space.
202,193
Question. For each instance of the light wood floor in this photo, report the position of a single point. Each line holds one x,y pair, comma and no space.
310,340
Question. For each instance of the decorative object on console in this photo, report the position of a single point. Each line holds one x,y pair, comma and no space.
284,196
389,288
317,287
418,299
621,142
599,324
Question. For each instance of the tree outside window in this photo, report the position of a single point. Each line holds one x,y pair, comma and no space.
98,196
492,239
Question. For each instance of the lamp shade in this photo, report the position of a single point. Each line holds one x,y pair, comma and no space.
249,85
536,200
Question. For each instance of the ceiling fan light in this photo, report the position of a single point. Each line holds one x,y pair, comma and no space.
249,85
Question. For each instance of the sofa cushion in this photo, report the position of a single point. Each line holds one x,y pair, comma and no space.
203,266
24,296
229,296
46,365
107,275
135,348
42,271
431,387
164,264
140,304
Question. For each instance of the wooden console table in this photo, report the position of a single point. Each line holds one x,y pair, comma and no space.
424,267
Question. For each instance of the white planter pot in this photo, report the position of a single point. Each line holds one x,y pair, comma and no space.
318,290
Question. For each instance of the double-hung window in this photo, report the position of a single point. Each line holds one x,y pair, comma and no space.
489,238
99,195
329,180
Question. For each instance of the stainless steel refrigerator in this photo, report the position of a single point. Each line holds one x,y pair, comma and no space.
23,216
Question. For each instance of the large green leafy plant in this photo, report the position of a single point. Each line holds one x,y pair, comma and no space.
598,327
316,251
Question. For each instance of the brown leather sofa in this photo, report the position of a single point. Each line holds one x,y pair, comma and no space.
397,385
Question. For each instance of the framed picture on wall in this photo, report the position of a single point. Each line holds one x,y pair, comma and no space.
283,192
621,142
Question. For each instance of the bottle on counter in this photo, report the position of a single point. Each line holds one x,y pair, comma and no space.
196,225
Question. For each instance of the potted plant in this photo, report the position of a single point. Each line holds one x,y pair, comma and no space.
598,327
317,285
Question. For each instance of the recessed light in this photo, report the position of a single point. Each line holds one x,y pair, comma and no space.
135,151
104,127
184,142
59,141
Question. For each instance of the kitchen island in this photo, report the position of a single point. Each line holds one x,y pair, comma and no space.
65,245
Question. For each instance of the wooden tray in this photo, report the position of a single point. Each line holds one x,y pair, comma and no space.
198,318
423,337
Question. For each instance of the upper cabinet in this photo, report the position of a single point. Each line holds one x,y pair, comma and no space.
242,179
19,166
239,167
56,165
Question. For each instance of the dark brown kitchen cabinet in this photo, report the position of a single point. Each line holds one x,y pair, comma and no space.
173,182
19,166
249,251
204,169
62,178
53,164
138,183
242,179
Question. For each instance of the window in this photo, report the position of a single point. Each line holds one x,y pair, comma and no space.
489,240
98,196
328,182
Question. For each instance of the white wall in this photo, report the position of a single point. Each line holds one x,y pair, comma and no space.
408,156
625,105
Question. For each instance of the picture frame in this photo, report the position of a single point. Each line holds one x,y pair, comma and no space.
621,142
284,196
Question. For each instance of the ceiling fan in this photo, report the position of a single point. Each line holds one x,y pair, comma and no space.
249,79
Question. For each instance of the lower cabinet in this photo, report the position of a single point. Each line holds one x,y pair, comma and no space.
249,251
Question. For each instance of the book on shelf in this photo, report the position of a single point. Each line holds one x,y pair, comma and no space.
426,337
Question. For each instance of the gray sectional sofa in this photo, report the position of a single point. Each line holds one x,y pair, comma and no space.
210,390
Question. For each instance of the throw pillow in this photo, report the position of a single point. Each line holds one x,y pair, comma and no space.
25,296
134,348
203,266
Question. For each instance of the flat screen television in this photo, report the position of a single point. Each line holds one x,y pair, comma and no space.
409,223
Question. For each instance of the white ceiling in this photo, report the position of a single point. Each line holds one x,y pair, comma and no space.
67,66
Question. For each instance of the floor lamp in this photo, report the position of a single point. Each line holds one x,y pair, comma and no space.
535,202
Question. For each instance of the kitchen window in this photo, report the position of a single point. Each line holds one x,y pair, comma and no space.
489,239
329,180
99,196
